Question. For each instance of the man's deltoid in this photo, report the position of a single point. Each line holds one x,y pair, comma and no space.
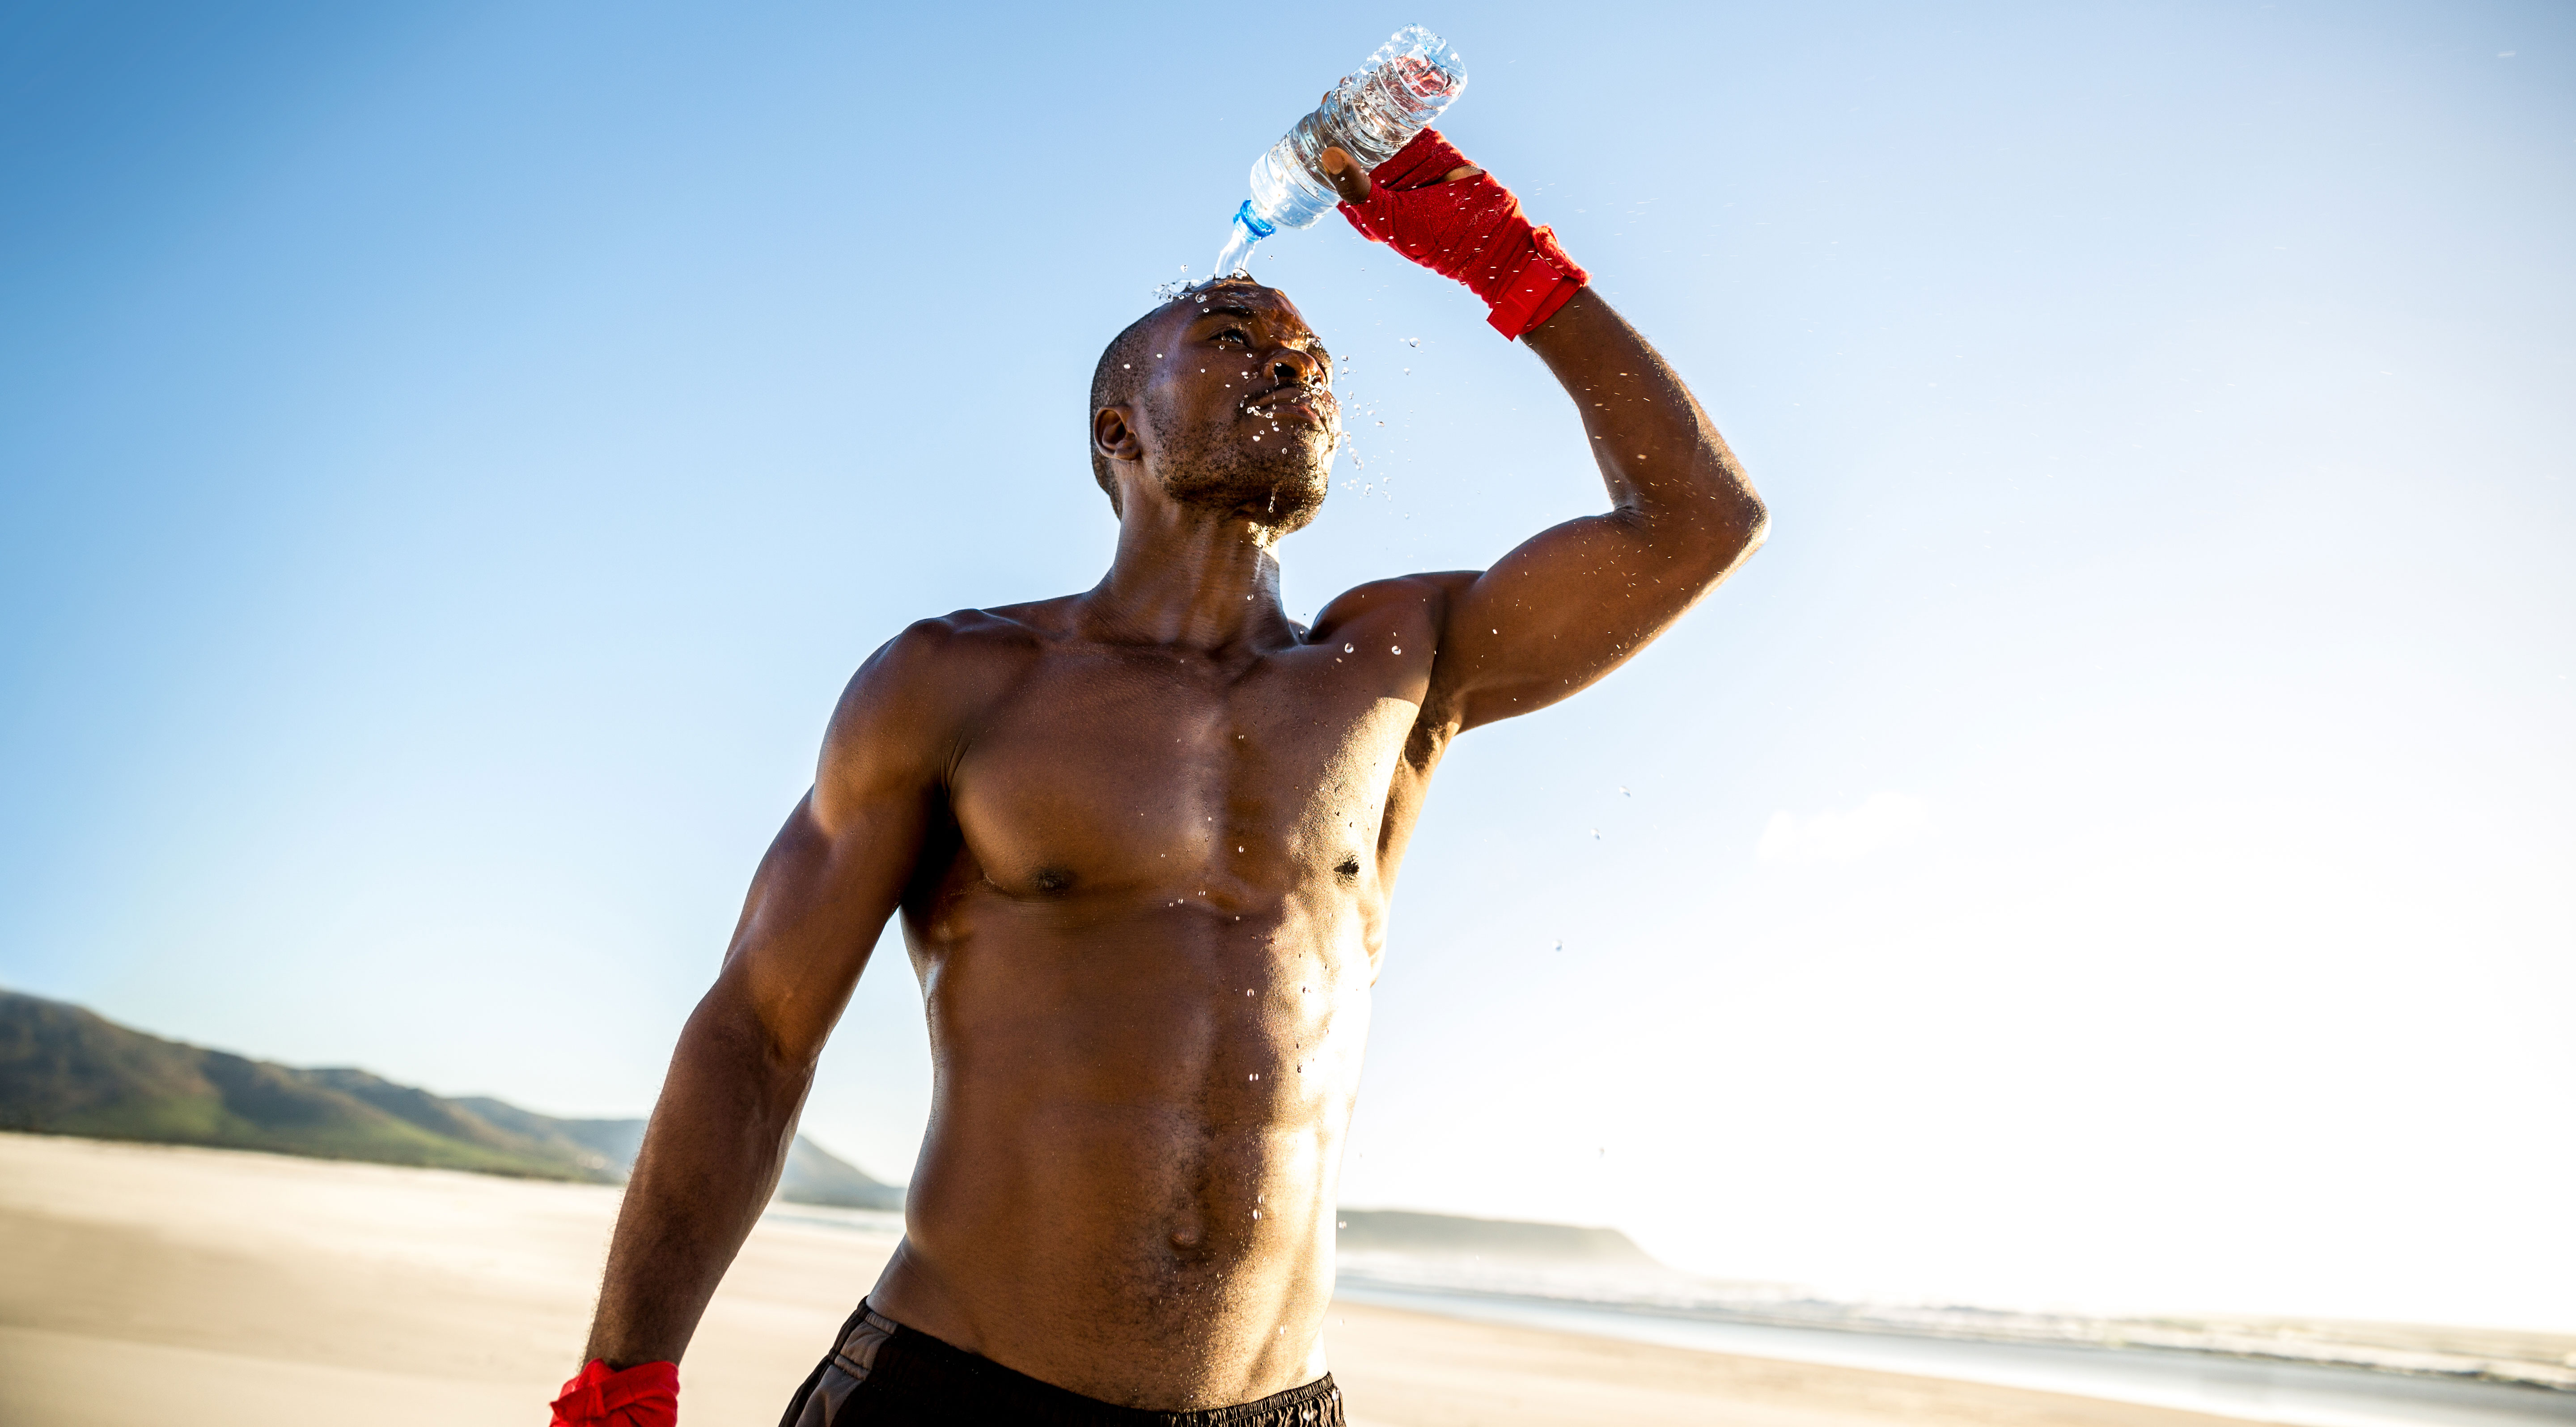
1142,839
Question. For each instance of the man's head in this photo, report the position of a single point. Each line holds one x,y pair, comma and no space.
1220,399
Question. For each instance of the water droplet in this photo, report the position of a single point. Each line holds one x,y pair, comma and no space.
1256,1075
1256,1213
1596,834
1395,649
1623,790
1350,648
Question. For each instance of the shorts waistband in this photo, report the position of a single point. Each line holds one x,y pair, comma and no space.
884,1372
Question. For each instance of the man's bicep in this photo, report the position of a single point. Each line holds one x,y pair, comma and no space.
838,867
1563,609
816,908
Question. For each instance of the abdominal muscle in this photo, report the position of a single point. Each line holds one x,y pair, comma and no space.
1136,1132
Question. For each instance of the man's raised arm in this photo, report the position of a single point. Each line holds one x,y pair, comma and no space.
1575,601
719,1134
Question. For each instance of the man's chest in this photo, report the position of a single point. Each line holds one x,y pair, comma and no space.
1105,773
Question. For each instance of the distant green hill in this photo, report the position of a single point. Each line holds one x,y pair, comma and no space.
68,1071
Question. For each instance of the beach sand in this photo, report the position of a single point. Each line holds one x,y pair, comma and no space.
145,1284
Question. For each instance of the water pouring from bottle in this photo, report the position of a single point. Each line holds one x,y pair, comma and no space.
1372,113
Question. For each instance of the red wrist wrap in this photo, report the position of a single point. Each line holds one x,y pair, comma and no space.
645,1395
1471,230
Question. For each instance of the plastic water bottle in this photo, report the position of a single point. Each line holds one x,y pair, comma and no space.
1370,115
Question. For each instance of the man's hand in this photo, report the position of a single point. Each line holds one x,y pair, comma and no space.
645,1395
1445,213
1352,182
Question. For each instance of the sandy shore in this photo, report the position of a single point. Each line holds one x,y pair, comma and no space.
146,1284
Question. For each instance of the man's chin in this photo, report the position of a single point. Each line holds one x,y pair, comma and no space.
1291,508
1282,493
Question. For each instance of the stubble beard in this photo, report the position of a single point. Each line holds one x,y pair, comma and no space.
1278,481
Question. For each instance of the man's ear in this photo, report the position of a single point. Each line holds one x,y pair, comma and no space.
1113,434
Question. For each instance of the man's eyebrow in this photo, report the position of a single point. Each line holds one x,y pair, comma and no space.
1248,313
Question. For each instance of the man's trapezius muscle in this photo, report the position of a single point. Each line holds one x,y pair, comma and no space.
1142,840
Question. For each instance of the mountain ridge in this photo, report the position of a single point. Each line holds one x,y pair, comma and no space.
65,1069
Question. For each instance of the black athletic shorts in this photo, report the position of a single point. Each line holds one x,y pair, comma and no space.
886,1375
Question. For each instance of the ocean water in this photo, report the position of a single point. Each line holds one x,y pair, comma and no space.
1674,1311
2304,1394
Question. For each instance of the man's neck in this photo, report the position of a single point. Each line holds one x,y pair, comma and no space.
1193,579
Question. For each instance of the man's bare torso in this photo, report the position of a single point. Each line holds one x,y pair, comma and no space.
1146,935
1142,841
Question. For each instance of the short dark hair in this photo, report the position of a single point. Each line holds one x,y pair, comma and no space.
1114,383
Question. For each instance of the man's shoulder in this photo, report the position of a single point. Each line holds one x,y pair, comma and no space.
1004,630
916,696
955,651
1397,596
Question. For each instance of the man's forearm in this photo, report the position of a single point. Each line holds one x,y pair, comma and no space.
1659,453
1657,448
710,1160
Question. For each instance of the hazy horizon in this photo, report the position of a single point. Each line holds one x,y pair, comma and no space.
2113,848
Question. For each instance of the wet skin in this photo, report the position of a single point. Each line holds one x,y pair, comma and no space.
1142,841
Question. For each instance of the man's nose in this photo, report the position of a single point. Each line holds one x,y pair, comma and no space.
1290,367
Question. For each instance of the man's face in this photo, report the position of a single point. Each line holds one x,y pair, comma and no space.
1238,414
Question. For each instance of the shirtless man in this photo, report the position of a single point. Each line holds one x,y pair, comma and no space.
1143,840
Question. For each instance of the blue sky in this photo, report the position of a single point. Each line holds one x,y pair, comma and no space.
2113,847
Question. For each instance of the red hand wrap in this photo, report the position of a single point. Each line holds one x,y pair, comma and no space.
645,1395
1471,230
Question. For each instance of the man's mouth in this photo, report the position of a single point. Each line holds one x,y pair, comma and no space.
1313,404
